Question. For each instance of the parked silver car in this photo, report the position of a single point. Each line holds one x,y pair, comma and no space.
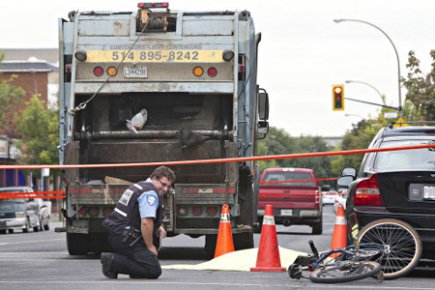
23,213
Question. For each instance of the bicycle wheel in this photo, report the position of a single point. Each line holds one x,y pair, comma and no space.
349,271
401,245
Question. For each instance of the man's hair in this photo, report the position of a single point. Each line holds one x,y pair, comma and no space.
163,171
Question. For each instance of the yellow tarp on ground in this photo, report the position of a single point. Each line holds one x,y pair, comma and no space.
242,260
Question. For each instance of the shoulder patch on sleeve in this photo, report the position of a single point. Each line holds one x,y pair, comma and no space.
151,199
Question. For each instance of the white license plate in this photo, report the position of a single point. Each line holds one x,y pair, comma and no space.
429,192
136,72
287,212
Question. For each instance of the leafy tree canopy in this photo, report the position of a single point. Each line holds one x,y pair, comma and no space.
421,90
10,99
38,127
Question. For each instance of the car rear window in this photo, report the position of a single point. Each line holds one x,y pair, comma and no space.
289,178
418,159
12,205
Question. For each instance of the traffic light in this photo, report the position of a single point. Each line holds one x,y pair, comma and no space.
338,97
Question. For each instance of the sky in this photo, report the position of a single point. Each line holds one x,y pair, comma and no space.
301,55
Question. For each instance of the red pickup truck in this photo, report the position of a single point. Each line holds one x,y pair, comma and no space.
295,196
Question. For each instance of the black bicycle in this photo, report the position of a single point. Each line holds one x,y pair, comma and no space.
400,243
349,264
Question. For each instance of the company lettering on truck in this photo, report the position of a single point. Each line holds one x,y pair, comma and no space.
155,56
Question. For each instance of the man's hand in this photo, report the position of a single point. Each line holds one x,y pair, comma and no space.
153,250
162,232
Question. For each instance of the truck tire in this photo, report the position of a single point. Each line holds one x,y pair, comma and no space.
98,243
77,244
210,245
243,241
259,225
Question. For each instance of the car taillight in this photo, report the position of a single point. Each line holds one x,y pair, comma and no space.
367,193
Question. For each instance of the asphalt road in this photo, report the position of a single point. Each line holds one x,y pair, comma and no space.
40,261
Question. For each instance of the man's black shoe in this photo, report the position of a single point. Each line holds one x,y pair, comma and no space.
107,260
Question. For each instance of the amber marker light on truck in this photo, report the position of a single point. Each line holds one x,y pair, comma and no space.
198,71
112,71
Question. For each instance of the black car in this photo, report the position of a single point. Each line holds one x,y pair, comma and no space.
392,199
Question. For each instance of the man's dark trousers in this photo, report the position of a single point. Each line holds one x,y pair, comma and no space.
135,260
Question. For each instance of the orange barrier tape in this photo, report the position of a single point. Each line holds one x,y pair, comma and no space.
56,194
221,160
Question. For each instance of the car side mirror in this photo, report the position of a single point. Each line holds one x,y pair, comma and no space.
349,171
263,105
344,181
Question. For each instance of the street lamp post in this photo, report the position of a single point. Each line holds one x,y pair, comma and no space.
367,84
395,50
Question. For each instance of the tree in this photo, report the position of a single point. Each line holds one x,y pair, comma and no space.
10,99
359,137
38,127
280,142
421,90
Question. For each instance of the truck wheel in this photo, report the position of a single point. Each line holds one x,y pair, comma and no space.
243,241
77,244
259,226
210,245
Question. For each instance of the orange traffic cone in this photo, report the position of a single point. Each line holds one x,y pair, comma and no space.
339,233
224,243
268,259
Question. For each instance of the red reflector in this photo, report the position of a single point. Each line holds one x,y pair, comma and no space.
212,211
212,72
367,193
83,211
107,211
98,71
196,211
93,211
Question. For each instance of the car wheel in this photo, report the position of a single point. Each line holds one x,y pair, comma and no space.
27,226
317,228
11,231
2,232
46,225
37,227
41,225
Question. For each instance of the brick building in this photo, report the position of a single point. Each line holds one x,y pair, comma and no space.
35,76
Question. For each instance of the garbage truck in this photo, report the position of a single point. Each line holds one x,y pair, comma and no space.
157,85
